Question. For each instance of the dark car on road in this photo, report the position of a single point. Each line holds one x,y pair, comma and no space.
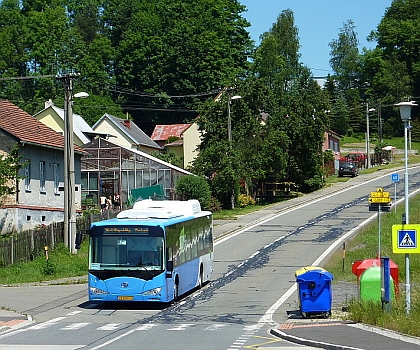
347,168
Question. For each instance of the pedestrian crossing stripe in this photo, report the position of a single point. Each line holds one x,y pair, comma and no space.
404,238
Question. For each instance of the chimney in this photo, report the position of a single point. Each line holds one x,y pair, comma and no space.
127,121
48,103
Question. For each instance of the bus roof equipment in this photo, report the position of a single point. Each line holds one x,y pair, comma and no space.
166,209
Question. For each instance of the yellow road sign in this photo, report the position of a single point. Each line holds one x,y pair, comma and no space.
380,200
379,194
379,197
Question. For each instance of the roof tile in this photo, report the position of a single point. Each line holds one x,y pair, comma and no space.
23,126
162,132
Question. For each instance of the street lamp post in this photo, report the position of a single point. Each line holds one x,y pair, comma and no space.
405,112
367,135
229,118
69,175
229,100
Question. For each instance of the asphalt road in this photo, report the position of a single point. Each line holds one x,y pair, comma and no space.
252,289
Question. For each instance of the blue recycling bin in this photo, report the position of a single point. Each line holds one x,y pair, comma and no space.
314,292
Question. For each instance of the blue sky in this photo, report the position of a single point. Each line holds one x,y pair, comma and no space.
319,22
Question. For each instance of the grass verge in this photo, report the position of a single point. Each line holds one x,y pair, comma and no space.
60,264
366,245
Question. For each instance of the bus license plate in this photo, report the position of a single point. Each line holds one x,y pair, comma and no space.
125,297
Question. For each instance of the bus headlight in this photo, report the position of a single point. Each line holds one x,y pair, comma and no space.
152,292
95,290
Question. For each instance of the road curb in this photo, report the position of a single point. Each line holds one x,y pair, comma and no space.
15,323
306,342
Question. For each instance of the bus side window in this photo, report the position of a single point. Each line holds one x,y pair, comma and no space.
188,244
207,238
194,241
200,238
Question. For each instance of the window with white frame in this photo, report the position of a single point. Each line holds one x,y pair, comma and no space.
42,176
28,175
56,179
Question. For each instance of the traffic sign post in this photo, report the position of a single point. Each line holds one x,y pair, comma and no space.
395,178
379,201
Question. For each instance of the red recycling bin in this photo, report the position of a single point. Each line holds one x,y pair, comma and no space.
360,266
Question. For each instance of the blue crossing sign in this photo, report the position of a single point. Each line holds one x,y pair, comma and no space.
407,239
395,177
404,238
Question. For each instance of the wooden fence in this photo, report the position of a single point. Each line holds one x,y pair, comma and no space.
28,245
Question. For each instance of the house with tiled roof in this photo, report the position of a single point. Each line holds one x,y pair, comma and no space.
125,132
39,198
181,139
53,117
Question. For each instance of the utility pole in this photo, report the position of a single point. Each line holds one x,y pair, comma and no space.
69,176
229,100
367,137
379,122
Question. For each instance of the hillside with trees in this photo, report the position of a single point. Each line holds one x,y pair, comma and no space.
164,62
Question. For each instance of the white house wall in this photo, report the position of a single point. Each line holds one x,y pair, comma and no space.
191,138
35,206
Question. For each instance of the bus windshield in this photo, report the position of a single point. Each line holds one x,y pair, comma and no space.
126,252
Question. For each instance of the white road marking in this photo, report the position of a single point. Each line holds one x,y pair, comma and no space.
73,313
47,324
214,327
181,327
109,327
75,326
146,327
114,339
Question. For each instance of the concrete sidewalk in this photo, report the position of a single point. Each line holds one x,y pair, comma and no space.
339,334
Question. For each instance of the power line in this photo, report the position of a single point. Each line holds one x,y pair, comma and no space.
121,90
29,77
128,91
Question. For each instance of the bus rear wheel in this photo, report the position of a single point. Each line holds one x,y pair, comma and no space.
200,278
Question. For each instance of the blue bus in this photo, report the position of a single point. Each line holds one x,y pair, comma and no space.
155,252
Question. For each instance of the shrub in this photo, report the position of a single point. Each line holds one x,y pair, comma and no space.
48,268
215,205
194,187
244,200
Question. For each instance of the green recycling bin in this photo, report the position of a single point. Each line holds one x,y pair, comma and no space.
370,285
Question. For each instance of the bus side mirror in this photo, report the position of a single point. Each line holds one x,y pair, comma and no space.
170,265
78,240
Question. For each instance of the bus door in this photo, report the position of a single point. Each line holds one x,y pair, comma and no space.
169,267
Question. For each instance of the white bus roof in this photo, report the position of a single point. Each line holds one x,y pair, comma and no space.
165,209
